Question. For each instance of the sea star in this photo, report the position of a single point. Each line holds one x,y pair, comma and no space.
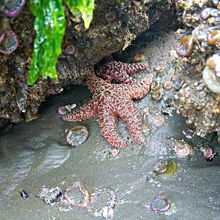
109,102
120,72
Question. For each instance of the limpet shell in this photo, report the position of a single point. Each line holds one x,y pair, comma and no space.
77,135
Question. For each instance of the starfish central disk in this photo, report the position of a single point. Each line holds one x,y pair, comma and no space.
108,103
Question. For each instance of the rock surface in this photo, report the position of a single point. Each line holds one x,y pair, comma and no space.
115,25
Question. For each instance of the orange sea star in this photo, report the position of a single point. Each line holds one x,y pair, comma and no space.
119,71
110,101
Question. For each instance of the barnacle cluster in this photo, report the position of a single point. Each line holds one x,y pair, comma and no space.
198,64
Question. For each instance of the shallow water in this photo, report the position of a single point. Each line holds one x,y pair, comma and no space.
36,154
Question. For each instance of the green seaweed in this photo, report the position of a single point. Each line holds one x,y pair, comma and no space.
82,7
50,26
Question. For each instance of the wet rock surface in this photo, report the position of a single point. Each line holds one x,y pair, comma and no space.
196,64
115,25
35,158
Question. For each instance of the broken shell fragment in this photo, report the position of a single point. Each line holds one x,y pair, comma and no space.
50,195
65,109
77,135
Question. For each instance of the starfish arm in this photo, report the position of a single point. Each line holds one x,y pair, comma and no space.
122,77
94,83
106,72
131,68
82,113
108,127
139,89
129,113
120,71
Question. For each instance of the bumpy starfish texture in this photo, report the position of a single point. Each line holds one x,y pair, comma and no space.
120,72
109,102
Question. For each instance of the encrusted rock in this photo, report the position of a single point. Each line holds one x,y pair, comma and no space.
115,25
